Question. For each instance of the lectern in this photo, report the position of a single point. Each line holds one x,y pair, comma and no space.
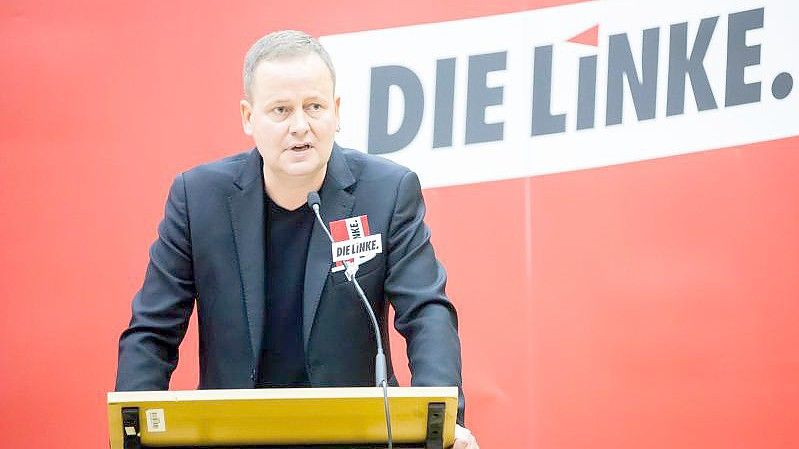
421,417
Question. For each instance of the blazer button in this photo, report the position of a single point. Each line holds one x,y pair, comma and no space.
252,375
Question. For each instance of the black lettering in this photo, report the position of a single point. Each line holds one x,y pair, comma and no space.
586,93
479,97
543,121
681,65
445,102
380,141
740,56
621,65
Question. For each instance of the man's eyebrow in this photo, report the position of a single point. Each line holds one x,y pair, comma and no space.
276,101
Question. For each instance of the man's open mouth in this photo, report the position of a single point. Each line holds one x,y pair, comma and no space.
300,147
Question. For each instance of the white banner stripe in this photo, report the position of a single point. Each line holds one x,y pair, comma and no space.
505,52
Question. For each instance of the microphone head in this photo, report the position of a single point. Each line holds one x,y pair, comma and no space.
313,200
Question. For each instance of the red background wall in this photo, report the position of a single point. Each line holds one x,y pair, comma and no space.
650,304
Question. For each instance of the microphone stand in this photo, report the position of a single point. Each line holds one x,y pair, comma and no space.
350,268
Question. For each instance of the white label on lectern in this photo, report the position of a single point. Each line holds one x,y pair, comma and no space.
155,420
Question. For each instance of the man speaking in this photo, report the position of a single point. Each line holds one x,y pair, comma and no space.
239,239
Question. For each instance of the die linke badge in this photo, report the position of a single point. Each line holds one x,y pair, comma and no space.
353,244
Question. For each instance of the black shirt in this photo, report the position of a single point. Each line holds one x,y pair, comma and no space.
283,356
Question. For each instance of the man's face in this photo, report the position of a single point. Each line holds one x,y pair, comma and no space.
292,115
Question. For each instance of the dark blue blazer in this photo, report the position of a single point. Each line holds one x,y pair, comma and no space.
210,251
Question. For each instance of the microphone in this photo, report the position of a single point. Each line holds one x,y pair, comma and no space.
314,201
381,375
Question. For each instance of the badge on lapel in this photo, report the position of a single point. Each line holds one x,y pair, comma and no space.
353,243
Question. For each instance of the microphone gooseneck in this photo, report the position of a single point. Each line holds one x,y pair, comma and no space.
381,373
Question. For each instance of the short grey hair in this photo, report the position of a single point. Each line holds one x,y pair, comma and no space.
282,44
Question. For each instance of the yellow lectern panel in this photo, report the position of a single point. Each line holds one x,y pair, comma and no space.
281,415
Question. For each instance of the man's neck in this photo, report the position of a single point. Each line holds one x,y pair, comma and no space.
291,192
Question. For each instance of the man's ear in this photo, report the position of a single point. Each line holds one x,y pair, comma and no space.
338,117
246,116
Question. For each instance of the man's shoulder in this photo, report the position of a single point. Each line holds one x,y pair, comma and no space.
368,167
225,170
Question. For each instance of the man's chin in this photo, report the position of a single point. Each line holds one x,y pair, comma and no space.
304,169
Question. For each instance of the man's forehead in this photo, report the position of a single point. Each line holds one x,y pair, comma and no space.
301,67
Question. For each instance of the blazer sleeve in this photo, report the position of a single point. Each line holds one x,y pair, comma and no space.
148,348
415,284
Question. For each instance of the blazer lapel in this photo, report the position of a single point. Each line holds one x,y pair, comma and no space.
337,202
247,217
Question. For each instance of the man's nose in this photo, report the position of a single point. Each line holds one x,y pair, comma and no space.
299,123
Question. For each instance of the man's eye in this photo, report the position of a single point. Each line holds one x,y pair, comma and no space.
315,106
281,111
